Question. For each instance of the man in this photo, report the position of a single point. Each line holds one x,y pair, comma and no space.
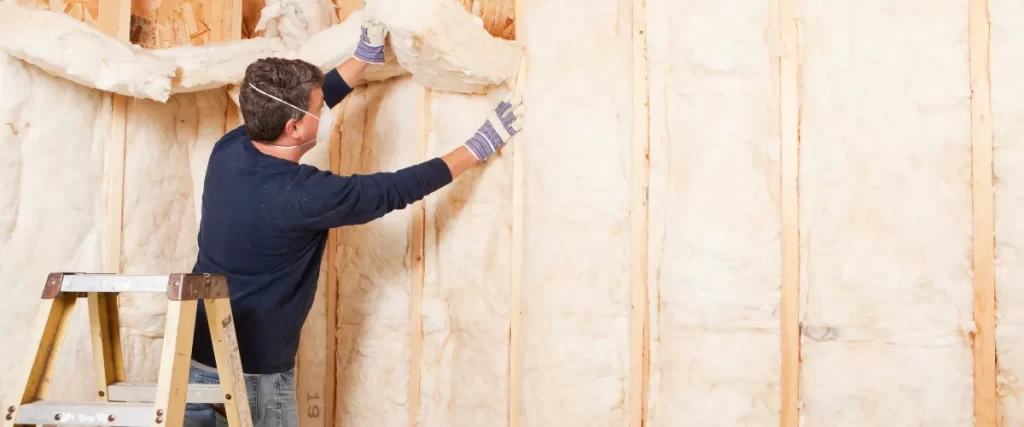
265,217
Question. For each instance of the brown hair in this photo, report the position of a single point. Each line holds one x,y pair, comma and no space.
292,80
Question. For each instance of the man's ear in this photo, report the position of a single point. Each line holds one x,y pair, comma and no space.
291,128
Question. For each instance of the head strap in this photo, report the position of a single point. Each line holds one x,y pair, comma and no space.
282,101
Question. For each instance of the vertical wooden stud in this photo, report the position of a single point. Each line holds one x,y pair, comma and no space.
638,321
985,391
114,21
515,375
226,25
331,300
418,248
789,212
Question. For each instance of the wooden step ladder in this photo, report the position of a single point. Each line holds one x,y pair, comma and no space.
120,403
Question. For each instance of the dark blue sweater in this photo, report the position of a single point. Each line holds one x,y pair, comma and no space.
264,225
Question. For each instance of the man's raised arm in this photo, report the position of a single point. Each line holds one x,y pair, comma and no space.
330,200
338,83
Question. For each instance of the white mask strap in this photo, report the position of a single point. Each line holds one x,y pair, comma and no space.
283,101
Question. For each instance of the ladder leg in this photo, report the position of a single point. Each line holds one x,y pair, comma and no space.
172,385
104,328
114,320
229,362
48,332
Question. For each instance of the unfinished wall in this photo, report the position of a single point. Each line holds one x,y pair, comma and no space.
885,214
427,317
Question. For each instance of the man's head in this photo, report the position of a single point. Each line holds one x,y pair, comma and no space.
271,121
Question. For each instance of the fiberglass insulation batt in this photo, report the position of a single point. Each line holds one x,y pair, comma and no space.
714,269
885,214
52,132
467,288
576,231
373,263
1008,148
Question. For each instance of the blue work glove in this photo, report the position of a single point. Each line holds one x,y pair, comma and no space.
371,43
499,127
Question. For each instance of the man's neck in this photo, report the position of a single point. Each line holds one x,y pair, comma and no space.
292,155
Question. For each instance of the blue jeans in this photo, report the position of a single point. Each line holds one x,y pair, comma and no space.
271,401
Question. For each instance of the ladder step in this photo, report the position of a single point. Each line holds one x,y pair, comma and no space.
113,283
177,287
58,413
134,392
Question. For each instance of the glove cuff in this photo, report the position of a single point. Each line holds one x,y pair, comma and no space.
486,140
370,53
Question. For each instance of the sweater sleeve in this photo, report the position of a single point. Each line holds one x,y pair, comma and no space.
335,89
330,200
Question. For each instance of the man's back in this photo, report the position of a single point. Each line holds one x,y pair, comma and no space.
264,226
251,231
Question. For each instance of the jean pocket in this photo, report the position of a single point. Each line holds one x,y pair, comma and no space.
252,389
